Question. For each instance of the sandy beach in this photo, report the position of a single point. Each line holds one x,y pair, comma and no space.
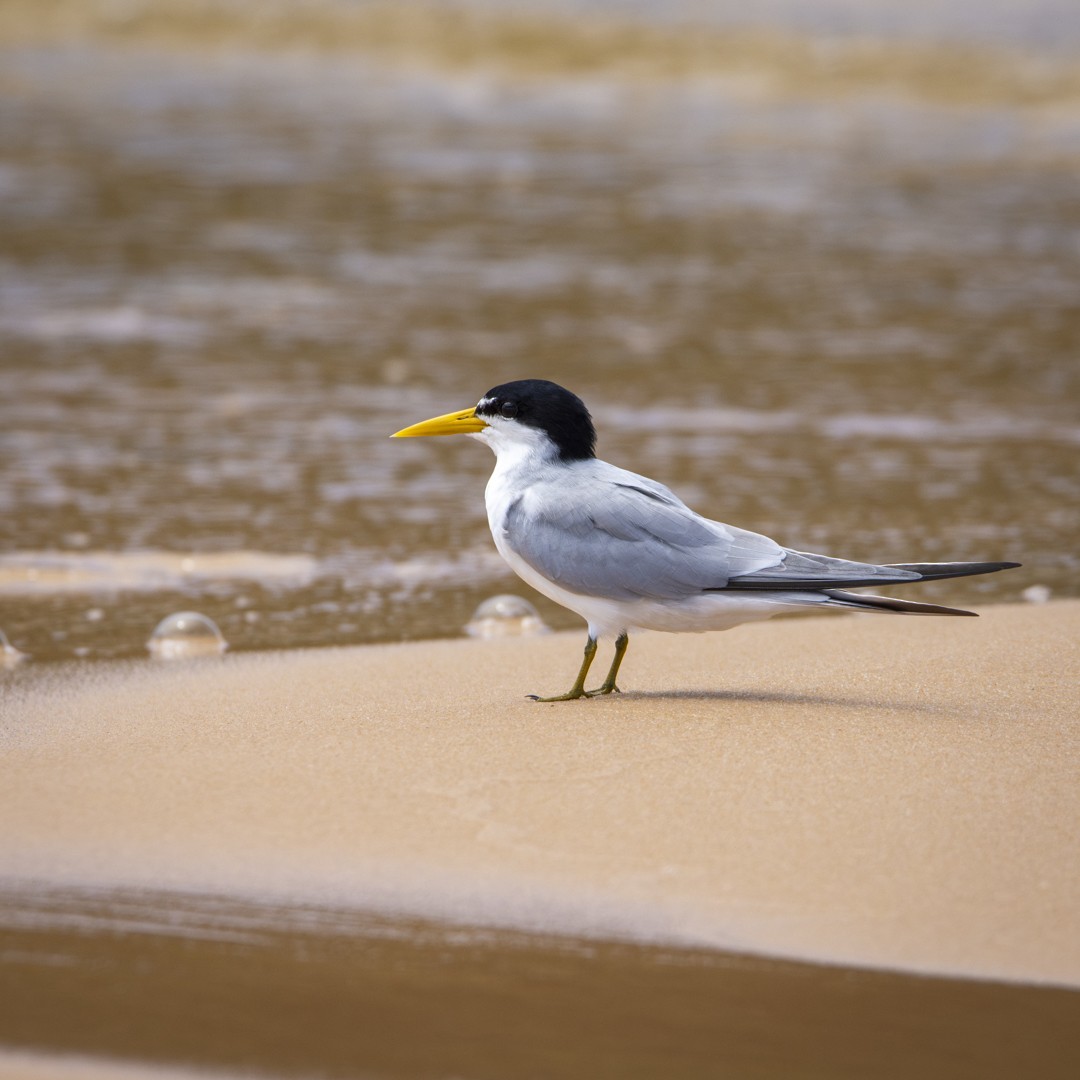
883,792
810,263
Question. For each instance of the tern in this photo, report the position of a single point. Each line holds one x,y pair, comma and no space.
626,553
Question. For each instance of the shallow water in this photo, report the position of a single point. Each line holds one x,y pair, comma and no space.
270,990
849,321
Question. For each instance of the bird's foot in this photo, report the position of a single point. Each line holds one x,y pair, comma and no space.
606,688
571,695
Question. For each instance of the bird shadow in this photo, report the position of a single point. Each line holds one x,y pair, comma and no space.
772,697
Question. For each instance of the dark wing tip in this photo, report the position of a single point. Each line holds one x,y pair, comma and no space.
932,571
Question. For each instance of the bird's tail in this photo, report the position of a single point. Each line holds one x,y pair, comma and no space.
839,598
926,572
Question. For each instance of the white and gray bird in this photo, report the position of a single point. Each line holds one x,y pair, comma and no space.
625,553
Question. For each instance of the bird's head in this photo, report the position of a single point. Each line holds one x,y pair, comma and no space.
530,414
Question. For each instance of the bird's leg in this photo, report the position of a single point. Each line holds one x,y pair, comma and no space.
608,686
578,689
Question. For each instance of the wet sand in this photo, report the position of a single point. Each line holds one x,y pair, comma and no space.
246,988
874,791
385,861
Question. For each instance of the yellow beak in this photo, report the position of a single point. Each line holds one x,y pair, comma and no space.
455,423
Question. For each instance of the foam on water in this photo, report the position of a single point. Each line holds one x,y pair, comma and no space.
42,1065
920,428
48,572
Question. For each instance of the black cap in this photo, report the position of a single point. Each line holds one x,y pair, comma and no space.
549,407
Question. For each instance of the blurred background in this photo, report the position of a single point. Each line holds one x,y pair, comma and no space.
813,263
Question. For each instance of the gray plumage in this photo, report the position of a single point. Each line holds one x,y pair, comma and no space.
601,531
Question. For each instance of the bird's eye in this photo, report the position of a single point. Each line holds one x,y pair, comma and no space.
509,409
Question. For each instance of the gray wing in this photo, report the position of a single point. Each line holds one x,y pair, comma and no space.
628,538
625,537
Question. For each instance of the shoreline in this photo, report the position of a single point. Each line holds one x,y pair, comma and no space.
438,1000
877,793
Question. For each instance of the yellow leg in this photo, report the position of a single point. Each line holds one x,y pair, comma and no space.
578,689
608,686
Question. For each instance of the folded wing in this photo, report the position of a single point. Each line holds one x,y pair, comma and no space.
616,535
629,539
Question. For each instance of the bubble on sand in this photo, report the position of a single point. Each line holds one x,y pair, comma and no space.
505,616
9,655
186,634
